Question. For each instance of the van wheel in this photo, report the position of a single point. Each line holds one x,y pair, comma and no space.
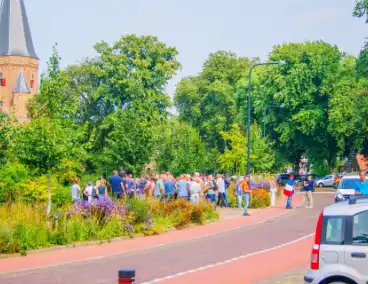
321,185
337,282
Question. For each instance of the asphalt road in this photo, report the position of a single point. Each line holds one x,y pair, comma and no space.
170,259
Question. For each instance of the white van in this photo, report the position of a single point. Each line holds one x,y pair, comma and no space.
340,250
346,190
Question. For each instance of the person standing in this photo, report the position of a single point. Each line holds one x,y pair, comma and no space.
273,190
130,186
159,187
246,194
210,188
289,191
91,192
221,190
361,186
195,189
76,190
226,194
239,192
182,188
308,189
169,186
117,187
102,190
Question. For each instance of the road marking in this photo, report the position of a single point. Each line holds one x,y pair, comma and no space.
143,249
228,261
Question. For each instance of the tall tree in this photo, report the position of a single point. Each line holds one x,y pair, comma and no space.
43,145
303,87
207,101
234,158
361,9
127,81
179,148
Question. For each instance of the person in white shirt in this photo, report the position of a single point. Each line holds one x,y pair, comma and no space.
221,190
195,189
91,192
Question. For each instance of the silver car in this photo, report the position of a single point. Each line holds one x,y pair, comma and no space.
325,181
340,250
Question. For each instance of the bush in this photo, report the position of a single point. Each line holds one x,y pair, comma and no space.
62,196
11,176
24,226
260,198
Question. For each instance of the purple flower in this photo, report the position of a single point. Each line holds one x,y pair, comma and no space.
129,228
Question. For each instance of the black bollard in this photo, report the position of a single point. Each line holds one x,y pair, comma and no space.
127,276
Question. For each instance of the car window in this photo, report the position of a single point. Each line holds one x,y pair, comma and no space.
360,228
333,230
348,183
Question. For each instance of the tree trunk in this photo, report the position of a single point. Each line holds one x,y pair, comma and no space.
48,194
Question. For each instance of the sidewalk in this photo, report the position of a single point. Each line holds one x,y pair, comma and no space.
69,255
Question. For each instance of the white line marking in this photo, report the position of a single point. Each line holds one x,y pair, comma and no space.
227,261
142,249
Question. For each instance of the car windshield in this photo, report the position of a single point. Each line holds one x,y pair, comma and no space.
348,183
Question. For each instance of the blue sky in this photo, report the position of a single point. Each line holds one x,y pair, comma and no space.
195,27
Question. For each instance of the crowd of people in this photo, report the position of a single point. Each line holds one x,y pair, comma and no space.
165,187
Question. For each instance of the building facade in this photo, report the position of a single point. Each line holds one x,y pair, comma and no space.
19,63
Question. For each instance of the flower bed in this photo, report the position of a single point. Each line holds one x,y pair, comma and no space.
24,226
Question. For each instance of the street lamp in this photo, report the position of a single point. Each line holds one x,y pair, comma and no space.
265,115
249,101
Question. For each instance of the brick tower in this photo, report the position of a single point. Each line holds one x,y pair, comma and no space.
18,60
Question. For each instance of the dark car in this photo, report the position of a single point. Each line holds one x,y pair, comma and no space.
282,178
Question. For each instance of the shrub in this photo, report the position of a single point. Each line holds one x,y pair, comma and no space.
260,198
62,196
11,176
24,226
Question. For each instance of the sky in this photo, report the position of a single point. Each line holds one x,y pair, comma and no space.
195,27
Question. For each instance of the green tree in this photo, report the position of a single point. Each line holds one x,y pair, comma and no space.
234,158
43,145
179,149
54,100
127,81
362,61
6,127
361,8
207,101
303,87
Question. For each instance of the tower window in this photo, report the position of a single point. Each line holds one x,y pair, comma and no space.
2,80
31,82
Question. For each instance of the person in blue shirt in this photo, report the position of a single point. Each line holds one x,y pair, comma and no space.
308,189
361,187
117,185
182,188
169,186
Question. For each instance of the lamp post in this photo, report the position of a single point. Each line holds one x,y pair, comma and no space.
265,116
249,108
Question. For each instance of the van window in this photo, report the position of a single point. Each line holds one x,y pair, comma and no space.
360,228
348,183
333,232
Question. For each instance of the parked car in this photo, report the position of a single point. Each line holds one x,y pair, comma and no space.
345,189
282,178
325,181
340,250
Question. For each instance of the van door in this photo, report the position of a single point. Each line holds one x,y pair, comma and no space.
356,249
